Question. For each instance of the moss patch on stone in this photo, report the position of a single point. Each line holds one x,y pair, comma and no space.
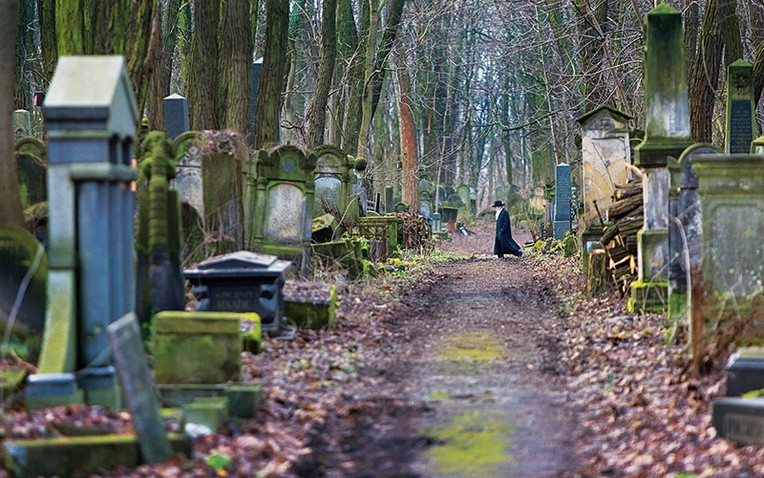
475,444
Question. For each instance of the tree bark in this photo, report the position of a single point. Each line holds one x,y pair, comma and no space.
11,210
356,72
47,12
159,87
316,117
237,49
201,82
70,27
410,160
271,84
142,48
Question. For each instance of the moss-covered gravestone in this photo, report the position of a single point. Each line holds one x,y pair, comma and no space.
188,184
24,269
284,204
222,156
22,124
334,183
31,164
667,134
160,285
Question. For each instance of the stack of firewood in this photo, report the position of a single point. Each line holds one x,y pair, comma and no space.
626,215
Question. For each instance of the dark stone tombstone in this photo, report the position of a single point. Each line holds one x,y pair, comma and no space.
241,282
745,371
740,420
740,108
31,164
139,388
175,115
21,254
256,67
684,204
389,199
563,194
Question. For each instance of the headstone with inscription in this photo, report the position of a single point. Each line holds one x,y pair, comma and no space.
241,282
740,420
139,388
667,135
562,197
741,111
334,183
31,164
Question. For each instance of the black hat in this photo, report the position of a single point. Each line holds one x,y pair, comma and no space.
498,203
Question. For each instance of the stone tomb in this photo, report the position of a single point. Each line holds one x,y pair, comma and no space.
241,282
175,115
334,183
740,420
745,371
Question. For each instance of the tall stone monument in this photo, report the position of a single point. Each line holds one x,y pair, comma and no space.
741,111
605,158
562,197
256,67
667,135
175,115
91,118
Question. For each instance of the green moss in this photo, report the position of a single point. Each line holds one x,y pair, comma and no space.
479,346
475,445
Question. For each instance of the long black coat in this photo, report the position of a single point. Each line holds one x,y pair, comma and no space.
504,243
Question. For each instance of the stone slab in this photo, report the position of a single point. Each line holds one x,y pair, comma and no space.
745,372
77,456
740,420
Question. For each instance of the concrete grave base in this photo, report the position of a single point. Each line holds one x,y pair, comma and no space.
740,420
648,296
316,314
243,399
73,456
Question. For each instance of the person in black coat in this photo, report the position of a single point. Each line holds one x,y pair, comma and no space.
504,243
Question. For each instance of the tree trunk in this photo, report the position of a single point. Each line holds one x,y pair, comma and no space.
356,70
70,27
160,80
316,117
142,48
369,44
201,80
237,49
11,211
589,19
410,169
111,19
271,84
47,12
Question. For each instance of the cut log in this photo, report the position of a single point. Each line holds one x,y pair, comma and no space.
624,207
632,188
597,275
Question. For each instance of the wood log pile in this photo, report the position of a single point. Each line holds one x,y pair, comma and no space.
620,238
416,231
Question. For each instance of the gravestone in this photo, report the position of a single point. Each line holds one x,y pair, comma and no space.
437,224
334,183
741,111
562,197
731,189
605,155
256,67
222,156
685,237
188,178
389,199
284,204
159,284
740,420
24,268
667,135
757,146
91,118
31,164
464,194
139,388
241,282
22,124
175,115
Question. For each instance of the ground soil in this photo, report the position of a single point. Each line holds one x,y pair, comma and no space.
468,388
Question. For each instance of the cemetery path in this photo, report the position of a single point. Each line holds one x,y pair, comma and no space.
468,386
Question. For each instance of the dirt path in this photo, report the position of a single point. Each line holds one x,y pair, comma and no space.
468,387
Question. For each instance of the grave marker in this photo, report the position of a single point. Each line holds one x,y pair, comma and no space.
562,197
175,115
256,67
741,111
667,134
139,388
22,124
